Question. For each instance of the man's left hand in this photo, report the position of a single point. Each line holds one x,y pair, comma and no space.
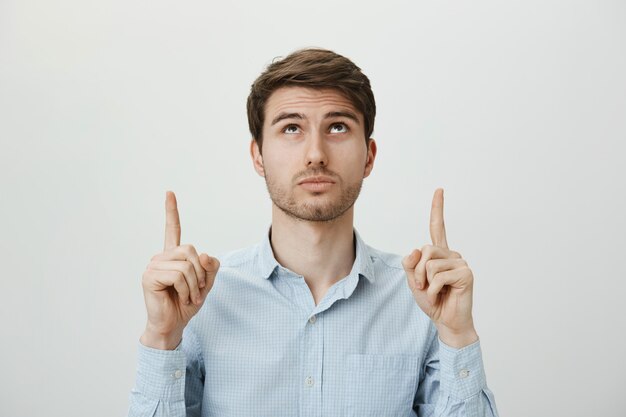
442,283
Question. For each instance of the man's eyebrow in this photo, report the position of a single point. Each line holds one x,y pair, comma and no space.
347,114
283,116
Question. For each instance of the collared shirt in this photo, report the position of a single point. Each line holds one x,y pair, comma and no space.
259,346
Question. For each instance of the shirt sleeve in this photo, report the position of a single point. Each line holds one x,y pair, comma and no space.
453,383
168,383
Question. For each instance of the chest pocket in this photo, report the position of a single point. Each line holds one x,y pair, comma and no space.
380,385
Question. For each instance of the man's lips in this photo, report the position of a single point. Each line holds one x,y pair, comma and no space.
316,180
316,184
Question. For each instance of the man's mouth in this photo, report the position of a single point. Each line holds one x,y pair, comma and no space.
319,179
316,183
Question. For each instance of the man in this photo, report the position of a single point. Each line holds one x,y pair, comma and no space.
311,321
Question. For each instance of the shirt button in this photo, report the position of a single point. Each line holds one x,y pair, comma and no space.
464,373
178,374
309,381
313,319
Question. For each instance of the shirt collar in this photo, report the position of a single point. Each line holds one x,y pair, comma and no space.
267,262
362,262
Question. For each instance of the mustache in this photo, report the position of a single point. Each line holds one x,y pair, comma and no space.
314,172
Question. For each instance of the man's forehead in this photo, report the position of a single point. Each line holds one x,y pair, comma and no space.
295,98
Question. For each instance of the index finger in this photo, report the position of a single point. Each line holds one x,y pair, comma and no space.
437,226
172,221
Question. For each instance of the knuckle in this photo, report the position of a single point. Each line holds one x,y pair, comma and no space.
189,269
428,251
180,277
430,267
189,249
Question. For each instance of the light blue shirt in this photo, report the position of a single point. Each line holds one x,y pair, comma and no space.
259,346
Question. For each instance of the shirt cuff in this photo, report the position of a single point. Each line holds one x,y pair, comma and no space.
462,372
161,373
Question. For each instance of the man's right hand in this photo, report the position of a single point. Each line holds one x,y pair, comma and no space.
175,284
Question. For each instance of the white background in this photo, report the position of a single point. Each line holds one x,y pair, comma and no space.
517,109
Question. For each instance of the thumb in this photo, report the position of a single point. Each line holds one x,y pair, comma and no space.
410,261
209,263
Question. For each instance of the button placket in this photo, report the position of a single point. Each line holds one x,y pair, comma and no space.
312,366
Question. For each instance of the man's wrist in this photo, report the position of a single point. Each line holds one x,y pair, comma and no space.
160,341
457,340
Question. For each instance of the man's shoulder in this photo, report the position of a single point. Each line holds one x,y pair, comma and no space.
383,259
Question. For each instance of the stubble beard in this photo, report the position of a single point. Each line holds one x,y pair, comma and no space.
316,212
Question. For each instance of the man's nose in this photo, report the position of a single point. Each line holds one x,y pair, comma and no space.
316,150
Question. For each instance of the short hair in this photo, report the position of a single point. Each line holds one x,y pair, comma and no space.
312,68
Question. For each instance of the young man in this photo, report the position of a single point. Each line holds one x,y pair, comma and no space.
311,321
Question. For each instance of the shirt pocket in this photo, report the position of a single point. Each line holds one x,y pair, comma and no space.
380,385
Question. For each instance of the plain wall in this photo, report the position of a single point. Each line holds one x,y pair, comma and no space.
516,108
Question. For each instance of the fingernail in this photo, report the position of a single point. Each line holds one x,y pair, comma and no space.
202,284
198,300
418,285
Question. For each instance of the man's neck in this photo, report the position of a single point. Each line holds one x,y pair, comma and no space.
322,252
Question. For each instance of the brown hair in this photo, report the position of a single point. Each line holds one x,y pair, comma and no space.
312,68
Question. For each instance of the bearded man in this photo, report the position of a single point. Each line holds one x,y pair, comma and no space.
311,321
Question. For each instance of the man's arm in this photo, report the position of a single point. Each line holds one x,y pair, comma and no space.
453,383
169,382
175,284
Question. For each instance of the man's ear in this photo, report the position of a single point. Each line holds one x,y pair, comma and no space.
371,156
257,158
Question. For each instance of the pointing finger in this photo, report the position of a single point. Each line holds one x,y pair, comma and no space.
437,226
172,221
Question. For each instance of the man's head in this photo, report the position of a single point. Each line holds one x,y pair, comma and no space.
314,128
317,69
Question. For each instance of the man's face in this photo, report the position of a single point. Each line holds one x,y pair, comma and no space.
314,155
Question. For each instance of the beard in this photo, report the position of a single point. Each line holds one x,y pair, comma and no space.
322,211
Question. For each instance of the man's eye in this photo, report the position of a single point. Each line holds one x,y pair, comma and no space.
342,127
290,129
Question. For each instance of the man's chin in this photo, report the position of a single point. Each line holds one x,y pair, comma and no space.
315,212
